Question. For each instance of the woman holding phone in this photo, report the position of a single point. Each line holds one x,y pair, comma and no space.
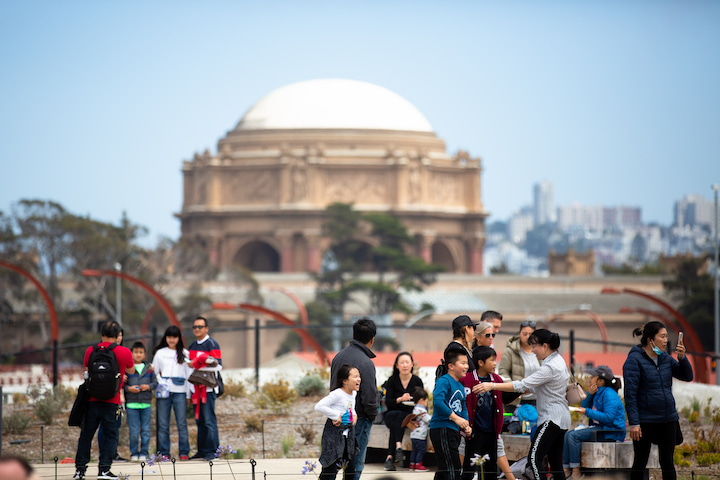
649,402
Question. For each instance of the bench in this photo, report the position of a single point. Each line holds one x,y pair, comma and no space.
613,455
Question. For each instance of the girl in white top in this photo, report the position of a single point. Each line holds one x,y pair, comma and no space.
170,363
338,438
549,383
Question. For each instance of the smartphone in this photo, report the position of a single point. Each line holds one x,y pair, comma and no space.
680,335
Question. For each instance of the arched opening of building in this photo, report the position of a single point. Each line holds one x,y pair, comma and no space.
441,256
258,256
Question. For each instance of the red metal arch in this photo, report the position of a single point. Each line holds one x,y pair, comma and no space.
54,328
594,317
301,307
304,334
701,371
154,293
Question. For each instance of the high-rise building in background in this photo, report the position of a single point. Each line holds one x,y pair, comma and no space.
693,211
520,223
576,215
543,203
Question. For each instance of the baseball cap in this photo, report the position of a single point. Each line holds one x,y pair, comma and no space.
462,321
601,371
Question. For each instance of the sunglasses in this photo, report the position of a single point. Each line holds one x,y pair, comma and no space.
198,327
488,335
528,323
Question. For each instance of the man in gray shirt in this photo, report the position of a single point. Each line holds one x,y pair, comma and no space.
359,355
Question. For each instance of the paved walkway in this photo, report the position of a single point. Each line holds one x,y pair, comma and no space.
268,469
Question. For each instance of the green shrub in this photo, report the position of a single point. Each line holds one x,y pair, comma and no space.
20,398
311,385
51,404
16,423
694,417
287,442
278,396
234,389
705,459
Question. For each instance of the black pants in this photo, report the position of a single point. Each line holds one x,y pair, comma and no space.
446,442
663,435
393,419
330,472
548,440
481,443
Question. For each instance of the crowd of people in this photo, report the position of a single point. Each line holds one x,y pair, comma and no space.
472,392
114,371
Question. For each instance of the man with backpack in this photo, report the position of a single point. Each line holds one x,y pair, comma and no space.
106,364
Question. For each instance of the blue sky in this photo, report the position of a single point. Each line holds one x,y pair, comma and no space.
615,102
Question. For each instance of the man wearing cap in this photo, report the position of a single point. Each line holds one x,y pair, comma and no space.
463,333
606,412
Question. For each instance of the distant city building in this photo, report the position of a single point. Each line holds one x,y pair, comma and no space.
571,263
622,217
520,223
694,211
579,215
544,203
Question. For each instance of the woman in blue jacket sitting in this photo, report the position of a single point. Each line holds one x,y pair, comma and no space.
649,402
605,411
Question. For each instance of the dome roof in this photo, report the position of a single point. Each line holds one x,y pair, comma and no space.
334,104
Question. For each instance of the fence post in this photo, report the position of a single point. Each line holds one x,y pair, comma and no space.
572,348
2,400
257,355
154,335
55,363
253,463
262,427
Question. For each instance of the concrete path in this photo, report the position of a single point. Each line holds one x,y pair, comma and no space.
268,469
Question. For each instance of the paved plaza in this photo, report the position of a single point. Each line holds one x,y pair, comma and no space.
268,469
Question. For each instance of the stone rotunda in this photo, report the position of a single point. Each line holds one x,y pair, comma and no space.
260,202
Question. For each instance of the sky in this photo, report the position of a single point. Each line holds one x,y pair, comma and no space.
614,102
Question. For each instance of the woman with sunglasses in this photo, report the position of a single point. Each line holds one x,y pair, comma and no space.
463,334
484,335
518,360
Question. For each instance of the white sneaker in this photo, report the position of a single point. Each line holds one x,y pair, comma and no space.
79,475
107,475
142,458
134,458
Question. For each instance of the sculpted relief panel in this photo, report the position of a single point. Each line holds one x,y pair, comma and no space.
360,187
249,187
446,189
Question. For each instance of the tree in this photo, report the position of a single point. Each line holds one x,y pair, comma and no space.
695,291
318,315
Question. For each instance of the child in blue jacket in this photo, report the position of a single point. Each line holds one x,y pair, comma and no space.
138,399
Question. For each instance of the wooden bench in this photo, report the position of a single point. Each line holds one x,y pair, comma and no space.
613,455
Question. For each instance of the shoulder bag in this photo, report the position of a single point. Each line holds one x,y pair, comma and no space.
574,393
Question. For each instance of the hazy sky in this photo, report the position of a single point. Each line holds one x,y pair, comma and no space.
615,102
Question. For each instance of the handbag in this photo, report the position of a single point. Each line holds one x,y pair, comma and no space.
574,393
220,385
201,377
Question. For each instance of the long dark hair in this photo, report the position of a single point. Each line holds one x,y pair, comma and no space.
648,331
396,370
543,335
615,383
342,375
172,331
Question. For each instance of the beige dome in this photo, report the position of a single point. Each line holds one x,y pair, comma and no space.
334,104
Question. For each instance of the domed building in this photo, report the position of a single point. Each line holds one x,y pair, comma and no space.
260,202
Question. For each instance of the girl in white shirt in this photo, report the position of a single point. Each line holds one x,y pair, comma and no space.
338,438
170,363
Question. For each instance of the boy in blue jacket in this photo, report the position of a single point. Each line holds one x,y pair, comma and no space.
450,416
138,398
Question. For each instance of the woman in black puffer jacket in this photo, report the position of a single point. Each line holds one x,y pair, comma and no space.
649,402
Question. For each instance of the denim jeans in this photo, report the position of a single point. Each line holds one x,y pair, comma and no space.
362,437
572,449
177,402
138,420
418,450
101,434
98,413
208,438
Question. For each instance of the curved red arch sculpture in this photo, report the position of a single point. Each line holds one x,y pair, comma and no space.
154,293
594,317
301,307
280,318
694,341
54,328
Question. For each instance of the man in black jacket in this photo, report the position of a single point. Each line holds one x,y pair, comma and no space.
359,355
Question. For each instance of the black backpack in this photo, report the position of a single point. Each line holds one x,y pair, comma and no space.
441,369
104,378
